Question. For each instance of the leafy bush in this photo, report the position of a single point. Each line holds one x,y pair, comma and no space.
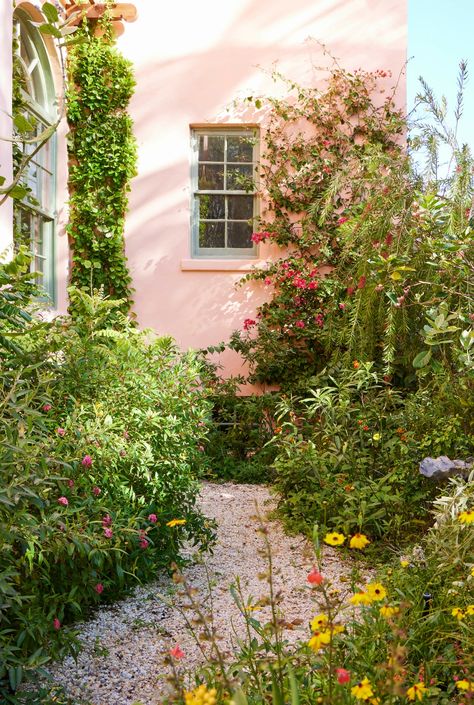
100,432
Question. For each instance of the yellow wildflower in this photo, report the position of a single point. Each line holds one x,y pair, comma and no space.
363,690
319,622
376,591
337,629
200,696
319,639
376,436
470,609
417,691
472,571
465,685
359,541
457,612
389,612
360,598
404,563
334,539
175,522
466,517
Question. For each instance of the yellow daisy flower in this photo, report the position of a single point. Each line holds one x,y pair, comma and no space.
363,690
389,612
466,517
376,592
359,541
319,639
200,696
470,609
457,612
417,691
319,622
334,539
404,563
175,522
360,598
465,685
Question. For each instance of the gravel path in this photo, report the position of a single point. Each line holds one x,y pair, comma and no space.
124,644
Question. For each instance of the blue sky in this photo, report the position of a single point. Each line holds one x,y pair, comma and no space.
440,34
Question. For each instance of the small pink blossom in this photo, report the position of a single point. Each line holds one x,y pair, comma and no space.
362,282
300,324
342,306
61,431
99,588
259,237
342,220
87,461
267,281
152,518
313,285
248,323
350,290
108,533
343,676
319,319
143,543
299,282
46,407
126,435
70,483
315,577
107,520
63,501
176,652
56,624
96,491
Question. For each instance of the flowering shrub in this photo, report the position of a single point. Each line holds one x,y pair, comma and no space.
100,427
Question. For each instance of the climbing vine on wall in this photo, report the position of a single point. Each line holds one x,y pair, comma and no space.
102,159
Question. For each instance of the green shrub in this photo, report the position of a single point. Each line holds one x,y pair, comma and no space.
100,429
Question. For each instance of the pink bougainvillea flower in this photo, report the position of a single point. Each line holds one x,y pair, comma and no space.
248,323
259,237
143,543
46,407
300,324
152,518
107,520
61,431
176,652
99,588
63,501
313,285
56,624
342,220
70,483
267,281
319,320
96,491
108,533
315,577
343,676
87,461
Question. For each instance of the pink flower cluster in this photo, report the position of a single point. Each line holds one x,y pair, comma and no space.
87,461
248,323
319,319
106,524
143,543
63,501
259,237
46,408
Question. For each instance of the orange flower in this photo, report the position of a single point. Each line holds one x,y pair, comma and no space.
356,364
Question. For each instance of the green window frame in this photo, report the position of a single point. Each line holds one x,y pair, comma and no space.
35,214
224,206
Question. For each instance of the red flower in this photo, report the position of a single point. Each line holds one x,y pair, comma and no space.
176,652
70,483
107,520
61,432
152,518
350,290
46,407
63,501
343,676
87,461
361,283
143,543
314,577
248,323
99,588
108,533
300,324
96,491
259,237
56,624
342,220
267,281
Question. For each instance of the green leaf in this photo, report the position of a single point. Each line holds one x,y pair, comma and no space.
22,124
50,12
50,29
422,359
295,696
18,192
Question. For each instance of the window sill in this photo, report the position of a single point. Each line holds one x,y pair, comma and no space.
221,265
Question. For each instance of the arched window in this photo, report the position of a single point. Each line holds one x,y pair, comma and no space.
34,98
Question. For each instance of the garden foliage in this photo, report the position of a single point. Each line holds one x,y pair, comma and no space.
100,433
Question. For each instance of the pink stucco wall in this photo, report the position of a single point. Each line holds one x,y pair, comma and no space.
191,61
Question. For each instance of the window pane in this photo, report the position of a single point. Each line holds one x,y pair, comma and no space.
211,177
240,149
212,234
211,148
240,207
211,207
239,178
239,234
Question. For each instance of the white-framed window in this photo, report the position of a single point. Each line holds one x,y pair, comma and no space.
34,215
224,205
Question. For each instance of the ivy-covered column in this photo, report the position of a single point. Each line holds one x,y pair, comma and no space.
102,158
